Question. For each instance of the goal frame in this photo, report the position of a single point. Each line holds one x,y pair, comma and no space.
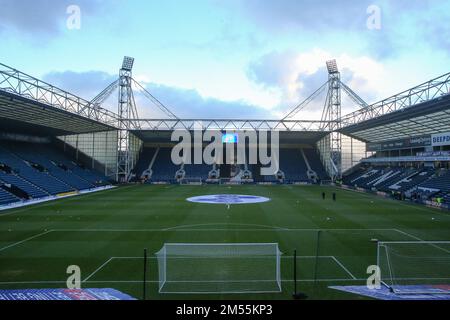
392,287
191,181
163,275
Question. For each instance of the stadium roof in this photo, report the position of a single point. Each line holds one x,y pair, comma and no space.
422,119
287,137
28,104
21,114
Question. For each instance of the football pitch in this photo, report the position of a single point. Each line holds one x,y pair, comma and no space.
105,234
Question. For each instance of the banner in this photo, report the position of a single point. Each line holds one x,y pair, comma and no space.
434,154
64,294
440,139
416,142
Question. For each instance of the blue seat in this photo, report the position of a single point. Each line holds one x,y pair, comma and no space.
7,198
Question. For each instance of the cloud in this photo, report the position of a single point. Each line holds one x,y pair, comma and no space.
185,103
404,23
298,74
41,17
307,14
188,103
85,84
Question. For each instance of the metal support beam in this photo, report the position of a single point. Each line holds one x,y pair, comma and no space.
227,124
303,104
426,91
19,83
333,116
126,109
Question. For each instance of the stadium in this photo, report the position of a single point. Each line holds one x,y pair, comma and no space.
209,158
84,186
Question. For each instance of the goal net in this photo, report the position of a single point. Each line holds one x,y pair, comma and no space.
229,181
191,181
415,267
219,268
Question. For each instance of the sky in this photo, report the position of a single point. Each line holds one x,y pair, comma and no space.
243,59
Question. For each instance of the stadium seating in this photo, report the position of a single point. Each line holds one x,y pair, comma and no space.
64,176
38,178
365,177
411,181
422,183
271,179
396,174
6,197
315,163
91,176
445,197
40,171
32,190
144,161
440,181
163,168
293,165
197,171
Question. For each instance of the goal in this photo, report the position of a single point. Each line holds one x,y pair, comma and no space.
415,267
219,268
192,181
229,181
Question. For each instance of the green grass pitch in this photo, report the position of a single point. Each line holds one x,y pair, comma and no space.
99,231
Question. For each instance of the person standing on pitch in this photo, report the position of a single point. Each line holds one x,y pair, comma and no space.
323,195
334,196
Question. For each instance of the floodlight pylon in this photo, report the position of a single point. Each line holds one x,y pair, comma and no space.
126,110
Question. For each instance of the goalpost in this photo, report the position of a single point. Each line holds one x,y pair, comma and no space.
192,181
415,267
219,268
228,181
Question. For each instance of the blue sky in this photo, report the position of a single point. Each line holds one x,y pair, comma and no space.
229,58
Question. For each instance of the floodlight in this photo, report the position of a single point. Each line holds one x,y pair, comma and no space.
332,67
127,63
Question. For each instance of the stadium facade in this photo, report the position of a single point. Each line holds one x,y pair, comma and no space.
54,143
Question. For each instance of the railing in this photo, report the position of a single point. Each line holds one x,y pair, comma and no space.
227,124
427,91
407,159
24,85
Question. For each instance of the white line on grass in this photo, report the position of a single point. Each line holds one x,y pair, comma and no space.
219,224
184,257
419,207
283,257
220,229
98,269
421,240
343,267
25,240
51,202
156,281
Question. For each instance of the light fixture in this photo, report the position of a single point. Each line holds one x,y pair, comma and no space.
332,67
127,64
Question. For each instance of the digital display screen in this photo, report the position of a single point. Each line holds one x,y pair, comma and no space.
230,138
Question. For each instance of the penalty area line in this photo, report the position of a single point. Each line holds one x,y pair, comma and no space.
225,229
98,269
343,267
157,281
25,240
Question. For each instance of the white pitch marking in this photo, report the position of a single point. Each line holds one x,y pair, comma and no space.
218,229
25,240
156,281
343,267
421,240
97,270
